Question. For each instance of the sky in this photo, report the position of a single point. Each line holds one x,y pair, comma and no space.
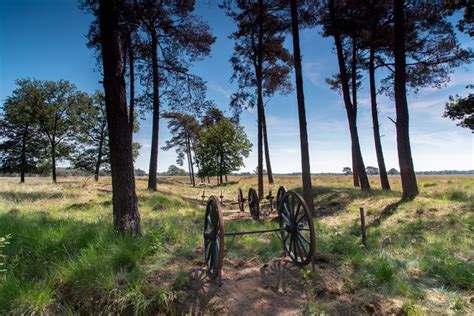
45,39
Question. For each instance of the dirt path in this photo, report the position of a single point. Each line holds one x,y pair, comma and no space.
274,288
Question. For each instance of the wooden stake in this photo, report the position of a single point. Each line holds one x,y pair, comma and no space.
362,226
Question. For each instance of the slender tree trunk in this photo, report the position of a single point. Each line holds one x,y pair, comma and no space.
131,65
355,174
190,160
156,114
259,76
267,150
354,108
407,170
305,165
99,157
375,123
226,180
23,155
350,110
125,210
53,161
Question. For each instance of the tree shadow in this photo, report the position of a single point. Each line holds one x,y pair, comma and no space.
32,196
388,211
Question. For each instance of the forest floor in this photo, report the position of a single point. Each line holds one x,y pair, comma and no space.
62,256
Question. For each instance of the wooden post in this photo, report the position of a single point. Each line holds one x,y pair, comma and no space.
362,226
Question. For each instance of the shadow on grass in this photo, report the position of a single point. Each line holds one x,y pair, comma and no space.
330,201
32,196
388,211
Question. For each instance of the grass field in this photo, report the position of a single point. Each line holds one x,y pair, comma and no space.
61,255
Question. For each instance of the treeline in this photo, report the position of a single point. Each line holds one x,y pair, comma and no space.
46,122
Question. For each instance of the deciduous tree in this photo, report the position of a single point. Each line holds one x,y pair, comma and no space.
23,147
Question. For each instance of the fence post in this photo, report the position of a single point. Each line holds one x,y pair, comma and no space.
362,226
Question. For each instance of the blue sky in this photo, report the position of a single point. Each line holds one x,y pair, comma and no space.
46,40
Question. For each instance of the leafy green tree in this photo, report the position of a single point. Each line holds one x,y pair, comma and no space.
347,171
22,149
393,172
222,149
175,171
57,115
93,150
461,108
372,170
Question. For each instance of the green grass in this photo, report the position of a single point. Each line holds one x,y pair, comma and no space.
63,257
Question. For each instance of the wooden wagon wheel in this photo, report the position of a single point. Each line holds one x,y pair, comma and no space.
213,237
254,203
297,228
280,193
241,200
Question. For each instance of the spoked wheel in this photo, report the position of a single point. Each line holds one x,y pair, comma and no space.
254,204
297,228
280,193
241,201
213,237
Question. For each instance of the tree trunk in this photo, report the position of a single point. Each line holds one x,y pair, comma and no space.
131,65
358,162
156,114
407,170
125,210
375,123
354,108
23,155
267,150
305,165
53,161
226,180
99,157
355,174
259,76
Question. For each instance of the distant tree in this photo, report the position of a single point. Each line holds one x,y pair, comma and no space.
185,132
372,170
221,149
393,172
22,145
175,171
57,116
93,149
461,108
261,63
176,37
347,171
140,173
124,198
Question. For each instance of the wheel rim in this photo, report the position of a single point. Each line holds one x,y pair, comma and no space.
240,199
281,192
297,232
213,237
254,206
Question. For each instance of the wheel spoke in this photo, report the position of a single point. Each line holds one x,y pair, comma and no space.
297,211
298,240
304,238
